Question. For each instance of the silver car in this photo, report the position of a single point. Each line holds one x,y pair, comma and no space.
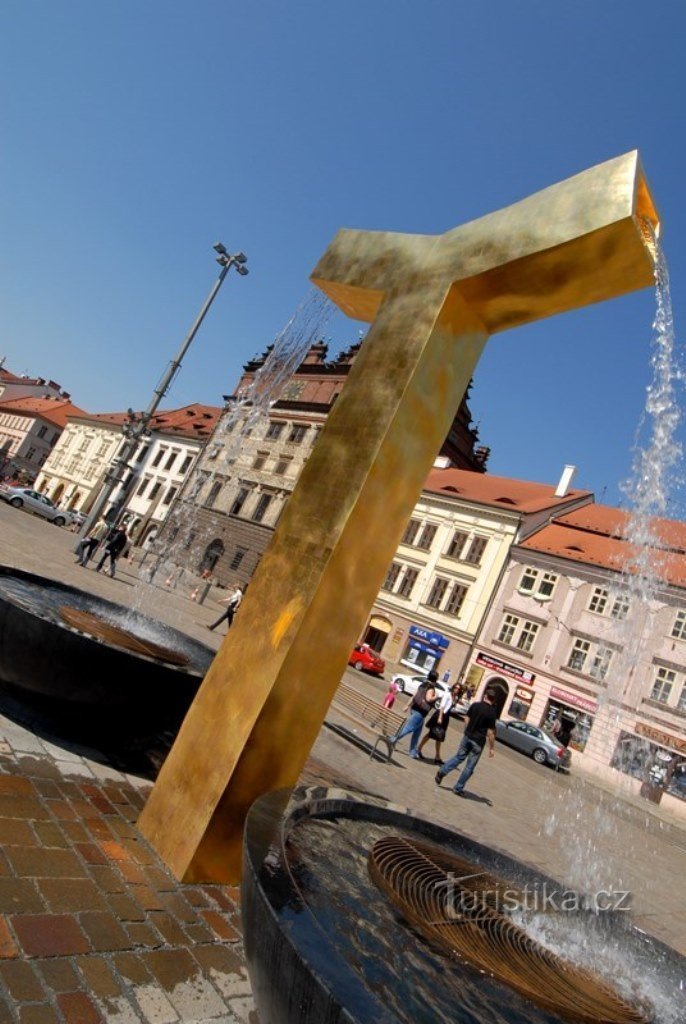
533,741
32,501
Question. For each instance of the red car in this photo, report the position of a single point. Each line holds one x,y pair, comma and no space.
363,657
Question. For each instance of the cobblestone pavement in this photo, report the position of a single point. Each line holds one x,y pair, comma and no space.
93,928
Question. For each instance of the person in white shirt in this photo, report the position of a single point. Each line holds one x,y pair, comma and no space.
232,601
438,722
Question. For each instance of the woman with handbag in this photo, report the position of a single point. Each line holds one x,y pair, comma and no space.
437,724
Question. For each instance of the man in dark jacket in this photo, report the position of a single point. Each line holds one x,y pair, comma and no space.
480,729
116,542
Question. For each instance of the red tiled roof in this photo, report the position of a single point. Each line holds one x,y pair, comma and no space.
579,538
612,522
54,410
194,420
497,491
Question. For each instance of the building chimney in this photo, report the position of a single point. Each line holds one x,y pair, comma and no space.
442,462
565,480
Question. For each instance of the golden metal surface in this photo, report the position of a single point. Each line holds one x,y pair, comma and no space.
433,301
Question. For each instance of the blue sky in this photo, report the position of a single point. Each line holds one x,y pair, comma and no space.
134,135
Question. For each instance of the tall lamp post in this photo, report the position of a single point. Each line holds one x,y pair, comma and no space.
136,426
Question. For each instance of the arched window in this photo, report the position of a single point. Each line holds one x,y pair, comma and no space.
213,553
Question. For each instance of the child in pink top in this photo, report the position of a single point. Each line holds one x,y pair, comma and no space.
389,699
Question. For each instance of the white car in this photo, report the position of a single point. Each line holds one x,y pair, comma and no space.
410,684
32,501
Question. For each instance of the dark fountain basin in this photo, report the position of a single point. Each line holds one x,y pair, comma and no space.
80,652
325,945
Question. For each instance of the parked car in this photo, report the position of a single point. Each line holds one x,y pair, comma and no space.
32,501
533,741
362,657
410,684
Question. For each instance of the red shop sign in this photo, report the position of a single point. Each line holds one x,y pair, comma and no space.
571,698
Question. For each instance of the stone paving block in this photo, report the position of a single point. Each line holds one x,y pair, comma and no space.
225,968
16,832
49,935
148,898
20,895
8,947
48,789
61,809
79,1008
133,873
59,975
30,862
220,925
15,785
154,1004
107,878
114,851
91,853
50,835
21,981
99,829
125,908
197,932
35,764
38,1015
4,865
122,829
98,976
138,851
143,934
75,831
177,906
71,895
169,929
22,807
191,994
104,932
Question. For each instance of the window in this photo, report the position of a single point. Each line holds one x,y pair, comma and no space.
454,603
141,487
30,453
391,576
437,593
261,507
476,550
679,627
598,602
274,430
537,584
159,456
297,433
239,501
578,655
426,537
282,465
169,496
681,706
411,531
171,460
662,687
527,636
154,491
456,545
213,493
507,630
408,581
260,460
600,662
42,432
186,464
238,557
620,607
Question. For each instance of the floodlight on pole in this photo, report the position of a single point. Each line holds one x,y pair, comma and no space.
137,425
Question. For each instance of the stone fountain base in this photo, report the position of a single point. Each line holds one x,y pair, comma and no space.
323,944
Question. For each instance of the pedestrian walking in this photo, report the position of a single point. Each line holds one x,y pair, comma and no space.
480,729
419,707
87,547
114,545
233,603
437,724
389,699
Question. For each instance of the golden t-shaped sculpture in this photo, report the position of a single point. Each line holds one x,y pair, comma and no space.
433,302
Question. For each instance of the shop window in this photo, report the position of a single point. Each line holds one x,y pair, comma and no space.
537,584
569,726
598,602
408,581
426,537
662,687
651,763
679,627
274,430
454,603
411,531
261,507
391,576
457,544
520,704
476,550
437,592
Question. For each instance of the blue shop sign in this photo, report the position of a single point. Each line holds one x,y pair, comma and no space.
436,640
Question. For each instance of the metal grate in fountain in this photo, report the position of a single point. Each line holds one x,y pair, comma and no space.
455,905
98,628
